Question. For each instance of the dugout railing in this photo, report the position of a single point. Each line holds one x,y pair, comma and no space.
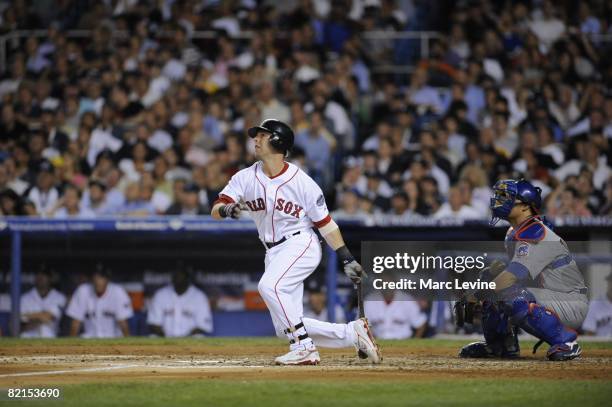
219,249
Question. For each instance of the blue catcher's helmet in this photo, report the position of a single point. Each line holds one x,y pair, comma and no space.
507,192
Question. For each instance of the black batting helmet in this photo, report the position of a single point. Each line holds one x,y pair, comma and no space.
281,135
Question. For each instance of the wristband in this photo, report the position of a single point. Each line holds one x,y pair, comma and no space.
344,255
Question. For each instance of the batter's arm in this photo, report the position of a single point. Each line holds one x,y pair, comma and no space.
331,233
222,210
215,211
334,238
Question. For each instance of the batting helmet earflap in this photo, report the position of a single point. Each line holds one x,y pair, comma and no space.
281,135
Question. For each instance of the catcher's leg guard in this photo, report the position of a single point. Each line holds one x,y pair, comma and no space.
501,338
545,325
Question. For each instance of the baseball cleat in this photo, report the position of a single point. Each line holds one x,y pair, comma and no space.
478,350
564,351
298,357
364,341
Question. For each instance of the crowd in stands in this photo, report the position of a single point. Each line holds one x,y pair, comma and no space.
143,116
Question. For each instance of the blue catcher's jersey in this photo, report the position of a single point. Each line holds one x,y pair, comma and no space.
536,252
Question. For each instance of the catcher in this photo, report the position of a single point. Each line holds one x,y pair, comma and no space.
538,255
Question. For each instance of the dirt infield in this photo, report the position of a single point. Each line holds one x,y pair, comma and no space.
74,364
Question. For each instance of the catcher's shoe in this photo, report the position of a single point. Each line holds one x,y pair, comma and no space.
364,340
564,351
506,347
477,350
483,350
300,355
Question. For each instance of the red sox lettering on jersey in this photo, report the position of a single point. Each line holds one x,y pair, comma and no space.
281,205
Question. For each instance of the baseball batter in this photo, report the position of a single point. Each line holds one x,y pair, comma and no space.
285,204
541,289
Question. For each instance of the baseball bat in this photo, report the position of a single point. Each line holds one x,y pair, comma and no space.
360,300
360,307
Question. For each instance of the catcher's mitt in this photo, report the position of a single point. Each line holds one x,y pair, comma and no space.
465,309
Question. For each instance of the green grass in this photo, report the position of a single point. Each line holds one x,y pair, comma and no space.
320,393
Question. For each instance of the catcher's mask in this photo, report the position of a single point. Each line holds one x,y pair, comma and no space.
506,193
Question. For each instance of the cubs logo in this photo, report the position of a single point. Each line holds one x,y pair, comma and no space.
523,250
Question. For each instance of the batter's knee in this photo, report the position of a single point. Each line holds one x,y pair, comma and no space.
266,289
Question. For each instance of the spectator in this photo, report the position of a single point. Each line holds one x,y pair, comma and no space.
180,309
317,309
188,202
94,199
41,308
565,201
318,145
44,195
350,208
100,307
455,208
137,201
69,205
395,315
598,321
400,206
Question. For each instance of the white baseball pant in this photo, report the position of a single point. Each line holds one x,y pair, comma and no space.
282,288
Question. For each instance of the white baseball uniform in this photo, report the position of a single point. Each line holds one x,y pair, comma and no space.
54,302
100,314
284,209
599,317
179,315
395,320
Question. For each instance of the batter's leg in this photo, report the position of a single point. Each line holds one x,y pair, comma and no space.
329,335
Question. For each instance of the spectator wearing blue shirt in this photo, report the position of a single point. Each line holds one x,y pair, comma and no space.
318,144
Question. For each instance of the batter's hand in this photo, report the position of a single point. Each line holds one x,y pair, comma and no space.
354,271
230,211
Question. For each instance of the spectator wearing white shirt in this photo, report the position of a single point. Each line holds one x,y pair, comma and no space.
44,195
590,157
598,321
455,208
69,206
316,308
270,106
102,308
395,315
180,309
41,308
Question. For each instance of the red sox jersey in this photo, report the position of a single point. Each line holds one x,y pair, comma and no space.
281,205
